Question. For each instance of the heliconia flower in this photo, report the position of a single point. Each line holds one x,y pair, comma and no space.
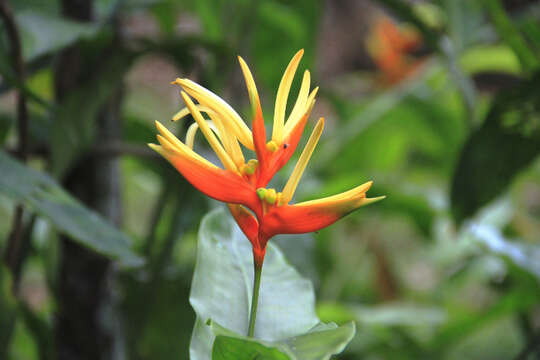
389,46
260,212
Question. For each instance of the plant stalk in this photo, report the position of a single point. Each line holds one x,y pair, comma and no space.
254,298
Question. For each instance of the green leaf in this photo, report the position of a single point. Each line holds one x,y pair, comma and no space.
43,34
507,142
230,348
41,193
222,287
497,58
320,343
465,20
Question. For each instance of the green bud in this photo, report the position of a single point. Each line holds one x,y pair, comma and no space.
261,192
270,196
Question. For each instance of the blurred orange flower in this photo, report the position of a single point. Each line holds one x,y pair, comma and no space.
390,47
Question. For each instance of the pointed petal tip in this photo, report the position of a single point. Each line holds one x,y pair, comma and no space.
186,99
161,128
162,140
373,200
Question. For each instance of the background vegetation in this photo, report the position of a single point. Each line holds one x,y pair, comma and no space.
436,101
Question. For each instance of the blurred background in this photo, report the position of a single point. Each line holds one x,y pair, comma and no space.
436,101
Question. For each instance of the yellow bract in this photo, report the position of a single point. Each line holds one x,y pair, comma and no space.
292,183
282,95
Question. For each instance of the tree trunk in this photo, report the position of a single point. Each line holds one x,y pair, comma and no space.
83,328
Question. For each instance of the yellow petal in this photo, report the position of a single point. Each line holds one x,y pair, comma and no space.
345,205
185,112
282,95
192,131
292,183
357,193
157,148
250,85
299,108
232,121
209,135
310,102
182,150
228,139
168,135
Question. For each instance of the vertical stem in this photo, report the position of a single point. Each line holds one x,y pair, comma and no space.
255,297
14,255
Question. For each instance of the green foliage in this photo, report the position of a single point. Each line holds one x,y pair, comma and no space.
60,33
320,343
41,193
230,348
507,142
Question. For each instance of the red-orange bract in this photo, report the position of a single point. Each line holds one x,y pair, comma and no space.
260,212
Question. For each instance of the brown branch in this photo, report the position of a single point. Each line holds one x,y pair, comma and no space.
107,149
18,65
14,252
118,148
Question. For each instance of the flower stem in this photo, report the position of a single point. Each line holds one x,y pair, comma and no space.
254,298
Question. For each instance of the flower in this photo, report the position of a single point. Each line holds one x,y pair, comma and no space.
260,212
389,46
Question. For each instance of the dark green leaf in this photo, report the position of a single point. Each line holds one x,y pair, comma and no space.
506,143
5,123
40,192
